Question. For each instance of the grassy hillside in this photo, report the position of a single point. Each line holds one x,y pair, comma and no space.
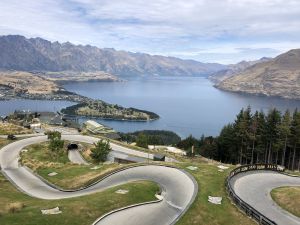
277,77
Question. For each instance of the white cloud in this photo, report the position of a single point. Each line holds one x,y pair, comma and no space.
206,30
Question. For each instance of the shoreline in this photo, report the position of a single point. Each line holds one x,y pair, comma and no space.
258,94
110,119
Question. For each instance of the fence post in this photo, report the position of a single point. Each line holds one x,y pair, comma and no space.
260,219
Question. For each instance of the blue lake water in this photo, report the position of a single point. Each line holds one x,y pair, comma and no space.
185,105
7,107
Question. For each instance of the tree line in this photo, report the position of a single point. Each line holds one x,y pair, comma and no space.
151,137
257,137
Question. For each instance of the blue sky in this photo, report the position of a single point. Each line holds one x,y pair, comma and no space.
224,31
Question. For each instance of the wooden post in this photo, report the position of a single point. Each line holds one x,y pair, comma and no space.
193,150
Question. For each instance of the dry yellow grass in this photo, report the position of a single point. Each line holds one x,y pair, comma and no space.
288,198
9,128
15,207
36,164
84,179
24,81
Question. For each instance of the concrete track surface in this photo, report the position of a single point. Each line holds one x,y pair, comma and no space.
254,188
179,188
75,157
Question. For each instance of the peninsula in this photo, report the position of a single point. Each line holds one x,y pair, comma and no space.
25,85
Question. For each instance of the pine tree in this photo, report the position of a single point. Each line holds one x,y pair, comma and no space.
253,133
273,122
238,129
241,127
285,132
295,135
101,150
142,141
227,146
261,136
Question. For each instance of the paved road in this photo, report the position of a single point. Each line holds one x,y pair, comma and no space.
23,135
179,188
255,187
75,157
66,131
114,147
91,140
120,155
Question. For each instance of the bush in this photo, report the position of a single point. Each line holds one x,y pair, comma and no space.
101,150
142,141
56,144
53,135
15,207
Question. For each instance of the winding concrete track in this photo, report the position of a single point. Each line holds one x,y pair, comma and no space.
179,188
254,188
75,157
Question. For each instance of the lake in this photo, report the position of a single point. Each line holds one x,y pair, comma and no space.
185,105
7,107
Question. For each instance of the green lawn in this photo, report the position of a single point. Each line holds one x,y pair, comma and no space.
69,176
17,208
210,181
297,173
288,198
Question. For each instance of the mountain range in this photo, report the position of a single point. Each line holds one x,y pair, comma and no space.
62,62
279,76
234,69
36,54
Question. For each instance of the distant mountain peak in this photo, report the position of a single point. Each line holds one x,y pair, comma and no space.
234,69
38,54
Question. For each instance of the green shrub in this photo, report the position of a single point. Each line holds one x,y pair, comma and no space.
101,150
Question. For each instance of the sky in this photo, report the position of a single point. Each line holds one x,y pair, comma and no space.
223,31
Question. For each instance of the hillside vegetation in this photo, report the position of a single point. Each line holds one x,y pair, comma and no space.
98,108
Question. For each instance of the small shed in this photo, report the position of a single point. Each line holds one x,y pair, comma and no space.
159,157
